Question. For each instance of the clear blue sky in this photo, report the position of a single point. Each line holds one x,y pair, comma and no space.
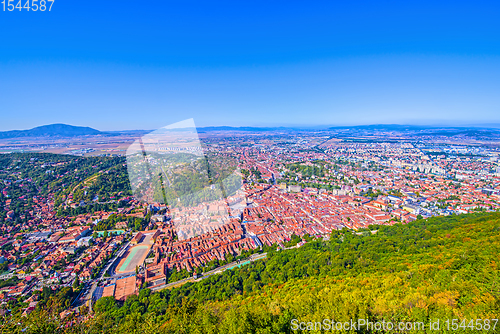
125,64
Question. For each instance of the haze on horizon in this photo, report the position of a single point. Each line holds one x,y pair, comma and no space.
120,66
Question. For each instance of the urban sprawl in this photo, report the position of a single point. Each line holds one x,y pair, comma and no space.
294,188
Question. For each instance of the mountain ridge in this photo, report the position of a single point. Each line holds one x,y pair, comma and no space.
65,130
58,130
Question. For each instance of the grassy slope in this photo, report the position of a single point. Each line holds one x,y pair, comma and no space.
458,278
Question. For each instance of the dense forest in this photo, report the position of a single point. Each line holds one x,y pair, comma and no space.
439,268
94,182
317,170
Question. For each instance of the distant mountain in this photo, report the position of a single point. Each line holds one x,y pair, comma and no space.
399,127
479,133
243,128
357,128
52,130
64,130
390,127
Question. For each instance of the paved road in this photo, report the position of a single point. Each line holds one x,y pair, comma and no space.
118,254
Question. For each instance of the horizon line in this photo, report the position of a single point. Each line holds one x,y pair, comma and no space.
494,125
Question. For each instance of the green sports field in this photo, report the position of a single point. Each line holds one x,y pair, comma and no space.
135,257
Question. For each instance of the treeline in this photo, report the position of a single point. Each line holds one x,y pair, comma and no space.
134,223
90,208
438,268
317,170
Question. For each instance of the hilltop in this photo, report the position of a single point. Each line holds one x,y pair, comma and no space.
57,130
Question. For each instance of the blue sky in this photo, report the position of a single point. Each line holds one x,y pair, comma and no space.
116,65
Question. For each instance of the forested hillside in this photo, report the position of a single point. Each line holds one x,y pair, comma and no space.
440,268
94,183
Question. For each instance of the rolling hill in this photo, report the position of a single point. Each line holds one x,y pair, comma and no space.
52,130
